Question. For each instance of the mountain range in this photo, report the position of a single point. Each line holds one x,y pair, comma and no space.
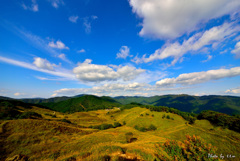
196,104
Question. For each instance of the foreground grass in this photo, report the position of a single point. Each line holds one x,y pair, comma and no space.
50,138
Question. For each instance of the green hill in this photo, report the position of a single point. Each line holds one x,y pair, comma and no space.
83,103
225,104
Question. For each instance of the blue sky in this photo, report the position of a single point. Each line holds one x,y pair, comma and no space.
53,48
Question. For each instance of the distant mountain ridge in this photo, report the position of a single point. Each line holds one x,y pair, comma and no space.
224,104
187,103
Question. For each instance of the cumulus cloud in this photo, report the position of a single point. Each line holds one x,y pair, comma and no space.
200,77
123,52
43,63
236,50
59,45
117,89
56,3
88,72
167,19
33,7
196,42
233,91
101,90
73,19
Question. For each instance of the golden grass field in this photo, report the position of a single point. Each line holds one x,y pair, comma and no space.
51,139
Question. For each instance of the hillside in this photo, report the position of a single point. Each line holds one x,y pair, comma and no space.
66,137
83,103
43,100
225,104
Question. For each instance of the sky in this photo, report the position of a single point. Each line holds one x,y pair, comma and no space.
52,48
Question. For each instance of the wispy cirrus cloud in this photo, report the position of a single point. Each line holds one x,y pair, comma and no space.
198,41
56,3
33,7
41,65
209,57
73,19
87,23
64,58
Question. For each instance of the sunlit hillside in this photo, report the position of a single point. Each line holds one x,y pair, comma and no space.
77,136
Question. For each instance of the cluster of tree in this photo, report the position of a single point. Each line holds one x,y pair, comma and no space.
220,119
144,129
106,126
9,111
168,117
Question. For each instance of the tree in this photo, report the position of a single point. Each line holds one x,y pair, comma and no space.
152,127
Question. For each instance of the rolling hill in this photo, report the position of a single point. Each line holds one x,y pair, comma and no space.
225,104
83,103
69,137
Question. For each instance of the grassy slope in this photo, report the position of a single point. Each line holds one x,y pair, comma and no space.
51,139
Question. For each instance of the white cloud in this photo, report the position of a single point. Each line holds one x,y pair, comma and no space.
117,89
56,3
19,94
104,89
200,77
209,57
43,63
236,50
233,91
73,19
197,42
123,52
88,72
87,23
33,7
60,72
59,45
173,18
81,51
64,58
